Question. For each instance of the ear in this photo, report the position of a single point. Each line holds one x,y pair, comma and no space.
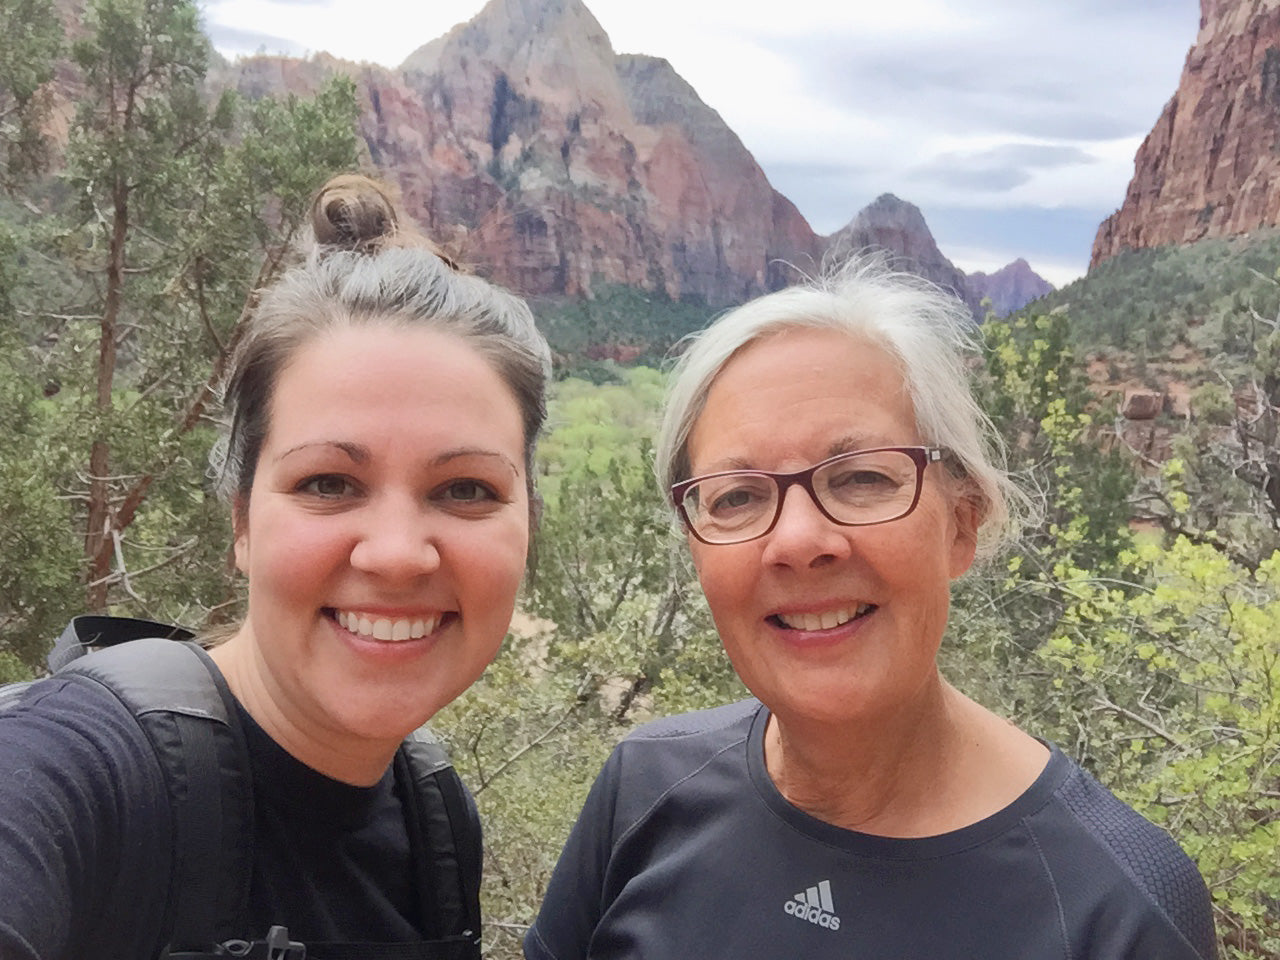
240,530
967,512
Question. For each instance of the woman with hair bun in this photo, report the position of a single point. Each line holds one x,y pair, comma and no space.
382,410
833,476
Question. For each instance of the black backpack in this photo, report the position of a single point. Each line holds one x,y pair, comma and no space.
182,703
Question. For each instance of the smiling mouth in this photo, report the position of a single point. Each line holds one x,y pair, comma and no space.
820,621
385,628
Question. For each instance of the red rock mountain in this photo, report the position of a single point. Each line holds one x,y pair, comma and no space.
552,164
1211,165
556,165
898,227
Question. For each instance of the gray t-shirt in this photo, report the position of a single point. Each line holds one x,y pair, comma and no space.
685,849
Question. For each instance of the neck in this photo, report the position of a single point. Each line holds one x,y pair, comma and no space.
322,747
936,764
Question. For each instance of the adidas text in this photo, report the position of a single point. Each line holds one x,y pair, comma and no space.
814,905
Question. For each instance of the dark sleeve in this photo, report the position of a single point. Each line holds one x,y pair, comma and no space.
84,828
1164,911
575,896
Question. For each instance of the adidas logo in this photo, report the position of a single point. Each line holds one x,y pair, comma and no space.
814,905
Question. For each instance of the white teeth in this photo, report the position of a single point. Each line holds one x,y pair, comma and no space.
821,621
386,629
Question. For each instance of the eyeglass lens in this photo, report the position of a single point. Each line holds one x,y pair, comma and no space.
860,488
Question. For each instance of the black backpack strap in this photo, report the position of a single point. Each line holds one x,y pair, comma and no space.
444,836
182,703
89,632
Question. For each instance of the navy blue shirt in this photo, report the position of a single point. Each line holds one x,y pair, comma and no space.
685,848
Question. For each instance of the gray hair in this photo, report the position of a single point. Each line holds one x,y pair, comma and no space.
364,268
929,332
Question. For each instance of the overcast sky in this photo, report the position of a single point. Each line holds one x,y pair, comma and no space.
1012,124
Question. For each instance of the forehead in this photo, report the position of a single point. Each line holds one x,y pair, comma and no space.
795,394
382,380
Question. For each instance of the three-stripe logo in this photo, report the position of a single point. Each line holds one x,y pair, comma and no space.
815,905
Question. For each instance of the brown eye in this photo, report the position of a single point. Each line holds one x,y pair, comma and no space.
329,486
469,491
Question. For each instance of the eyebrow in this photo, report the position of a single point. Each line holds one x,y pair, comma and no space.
849,443
359,453
457,452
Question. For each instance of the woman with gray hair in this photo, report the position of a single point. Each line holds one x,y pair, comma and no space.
834,475
383,409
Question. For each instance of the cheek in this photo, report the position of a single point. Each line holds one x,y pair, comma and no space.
727,575
493,562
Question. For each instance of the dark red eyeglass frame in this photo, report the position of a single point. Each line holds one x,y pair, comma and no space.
922,456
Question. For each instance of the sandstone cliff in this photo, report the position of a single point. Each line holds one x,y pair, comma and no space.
556,166
548,162
1211,165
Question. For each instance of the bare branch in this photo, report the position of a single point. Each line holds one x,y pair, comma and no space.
1104,704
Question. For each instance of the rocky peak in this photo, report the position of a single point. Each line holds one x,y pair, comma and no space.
894,225
554,49
1010,288
1211,165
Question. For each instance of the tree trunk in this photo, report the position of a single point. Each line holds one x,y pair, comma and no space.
98,540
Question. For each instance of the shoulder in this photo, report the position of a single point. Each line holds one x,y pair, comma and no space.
74,741
688,740
85,821
72,714
1153,873
692,752
731,721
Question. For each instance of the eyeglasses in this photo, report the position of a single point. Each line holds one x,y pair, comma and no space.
853,489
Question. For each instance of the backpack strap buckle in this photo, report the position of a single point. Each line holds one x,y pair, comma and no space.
275,946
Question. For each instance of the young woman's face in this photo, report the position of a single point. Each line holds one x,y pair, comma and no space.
384,538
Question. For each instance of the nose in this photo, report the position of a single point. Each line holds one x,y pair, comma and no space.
396,540
803,536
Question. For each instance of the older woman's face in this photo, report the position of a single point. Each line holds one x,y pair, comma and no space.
782,404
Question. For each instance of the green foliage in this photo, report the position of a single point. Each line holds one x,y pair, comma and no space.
1032,388
1144,301
611,573
1221,485
623,324
36,592
32,43
1166,687
121,303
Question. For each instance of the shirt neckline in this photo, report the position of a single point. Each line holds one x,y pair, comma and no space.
997,824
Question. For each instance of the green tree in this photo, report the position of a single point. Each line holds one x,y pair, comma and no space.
1031,386
28,56
127,308
1165,686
